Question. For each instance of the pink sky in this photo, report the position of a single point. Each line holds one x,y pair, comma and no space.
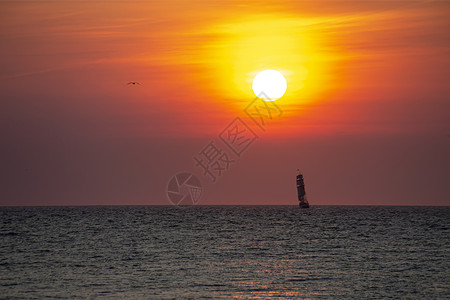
365,117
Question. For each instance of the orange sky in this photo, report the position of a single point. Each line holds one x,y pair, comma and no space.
361,76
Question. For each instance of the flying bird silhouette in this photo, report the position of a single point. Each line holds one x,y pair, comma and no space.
133,82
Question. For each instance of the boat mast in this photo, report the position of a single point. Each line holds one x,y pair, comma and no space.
301,190
300,186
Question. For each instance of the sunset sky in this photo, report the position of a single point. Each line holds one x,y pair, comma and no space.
366,114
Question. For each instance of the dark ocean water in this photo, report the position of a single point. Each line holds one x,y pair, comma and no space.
225,252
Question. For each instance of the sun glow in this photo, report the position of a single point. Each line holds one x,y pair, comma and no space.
269,85
244,48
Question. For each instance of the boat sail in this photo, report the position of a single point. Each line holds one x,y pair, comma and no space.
302,201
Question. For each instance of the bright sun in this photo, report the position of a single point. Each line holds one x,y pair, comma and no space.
269,85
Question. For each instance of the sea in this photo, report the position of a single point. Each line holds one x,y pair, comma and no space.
225,252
